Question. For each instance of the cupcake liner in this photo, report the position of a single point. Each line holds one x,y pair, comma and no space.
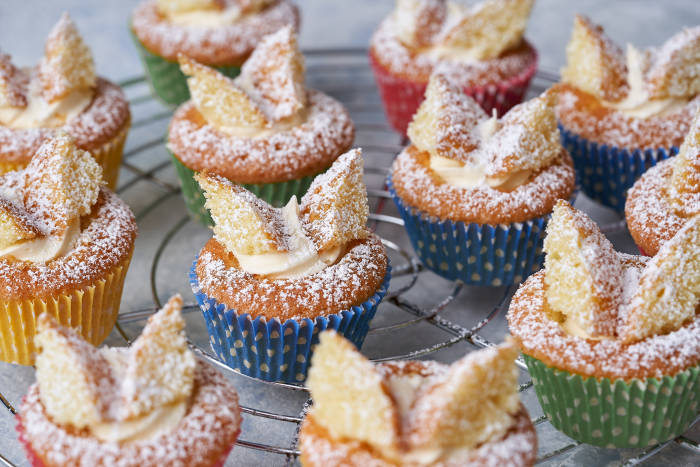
476,254
167,82
277,194
605,172
617,414
35,460
402,97
272,350
109,156
92,310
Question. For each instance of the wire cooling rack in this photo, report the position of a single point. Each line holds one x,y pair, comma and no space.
421,316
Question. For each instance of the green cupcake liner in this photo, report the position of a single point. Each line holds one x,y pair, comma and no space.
167,82
277,194
616,414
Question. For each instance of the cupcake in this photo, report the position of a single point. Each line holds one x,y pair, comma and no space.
621,115
272,278
612,341
415,413
666,196
217,33
264,130
65,246
481,47
151,404
61,94
475,192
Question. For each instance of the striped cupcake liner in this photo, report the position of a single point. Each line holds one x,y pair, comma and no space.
401,97
167,81
617,413
277,194
272,350
92,310
605,173
476,254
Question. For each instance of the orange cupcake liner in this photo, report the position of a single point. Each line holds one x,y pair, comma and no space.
92,310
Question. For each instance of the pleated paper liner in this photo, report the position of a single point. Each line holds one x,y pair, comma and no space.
109,156
476,254
604,172
401,97
35,460
277,194
92,310
617,414
273,350
167,82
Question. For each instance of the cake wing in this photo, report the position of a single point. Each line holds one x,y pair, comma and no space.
675,66
668,293
528,138
594,63
418,21
67,64
349,398
446,121
684,191
13,84
160,369
274,74
16,224
169,7
219,99
488,28
473,402
62,183
75,381
253,6
243,223
578,253
335,208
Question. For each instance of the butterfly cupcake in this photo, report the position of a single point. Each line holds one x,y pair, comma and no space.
475,192
151,404
620,114
481,47
264,130
62,94
218,33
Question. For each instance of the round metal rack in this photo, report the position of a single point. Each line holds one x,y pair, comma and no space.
421,316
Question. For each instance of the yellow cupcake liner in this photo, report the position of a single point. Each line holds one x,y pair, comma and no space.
92,310
109,156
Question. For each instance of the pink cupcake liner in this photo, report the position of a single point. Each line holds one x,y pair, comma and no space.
402,97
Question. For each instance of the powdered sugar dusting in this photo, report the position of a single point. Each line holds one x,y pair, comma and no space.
13,83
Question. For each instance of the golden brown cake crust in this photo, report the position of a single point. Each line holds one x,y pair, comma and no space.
227,45
587,116
401,61
541,337
106,240
306,149
650,218
420,188
352,280
106,117
201,439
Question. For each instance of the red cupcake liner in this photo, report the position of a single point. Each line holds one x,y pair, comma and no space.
35,460
402,97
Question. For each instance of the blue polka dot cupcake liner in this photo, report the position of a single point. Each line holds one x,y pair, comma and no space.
617,413
272,350
605,173
476,254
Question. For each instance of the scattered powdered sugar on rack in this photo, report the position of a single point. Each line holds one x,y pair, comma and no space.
224,45
201,439
96,125
303,150
348,282
395,56
104,243
543,338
